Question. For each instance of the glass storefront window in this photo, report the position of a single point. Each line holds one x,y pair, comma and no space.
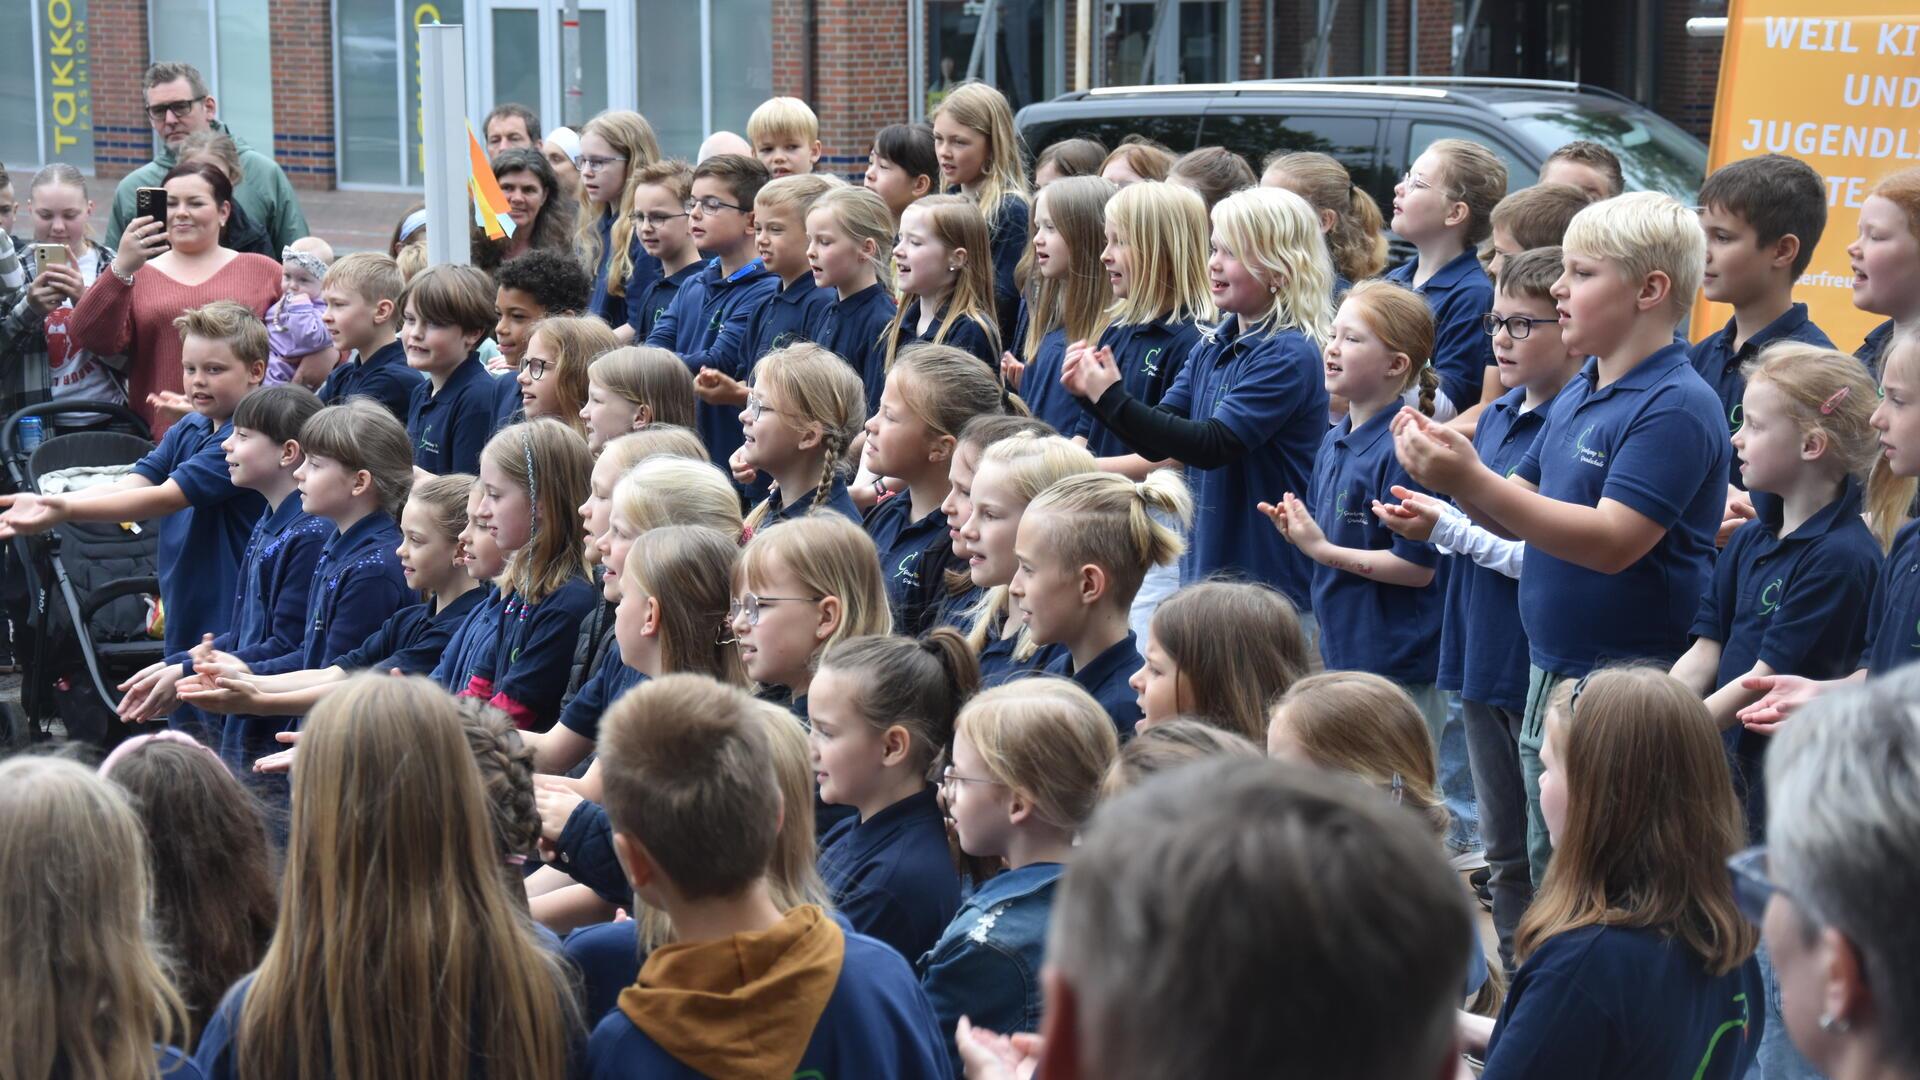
368,88
1140,42
1024,54
669,71
228,41
516,56
742,35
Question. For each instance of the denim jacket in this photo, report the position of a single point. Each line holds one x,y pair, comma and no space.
986,965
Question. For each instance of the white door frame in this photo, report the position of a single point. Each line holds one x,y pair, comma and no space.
621,78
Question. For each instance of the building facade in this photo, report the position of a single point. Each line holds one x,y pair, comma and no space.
332,86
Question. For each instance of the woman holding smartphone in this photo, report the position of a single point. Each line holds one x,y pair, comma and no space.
162,269
38,360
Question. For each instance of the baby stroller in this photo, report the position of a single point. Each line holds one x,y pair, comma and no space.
89,587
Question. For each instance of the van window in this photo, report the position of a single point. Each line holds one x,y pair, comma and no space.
1349,140
1177,133
1424,133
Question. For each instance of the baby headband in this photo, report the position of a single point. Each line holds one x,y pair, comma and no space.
305,261
126,749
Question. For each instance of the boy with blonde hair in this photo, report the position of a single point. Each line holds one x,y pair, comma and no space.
785,136
362,314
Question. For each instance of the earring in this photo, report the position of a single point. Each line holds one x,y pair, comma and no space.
1836,1025
952,269
1273,290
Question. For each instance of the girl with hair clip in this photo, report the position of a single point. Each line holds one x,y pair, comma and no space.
609,955
980,155
614,147
634,386
1137,160
212,872
803,414
1025,776
946,287
1069,297
84,978
1349,218
1790,590
1156,263
850,234
957,594
1886,263
1082,548
929,397
1379,581
533,476
1011,472
1221,653
417,961
1635,959
552,380
1363,725
412,640
1169,745
882,711
1245,414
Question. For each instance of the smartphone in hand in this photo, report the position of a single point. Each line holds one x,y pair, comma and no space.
150,202
51,255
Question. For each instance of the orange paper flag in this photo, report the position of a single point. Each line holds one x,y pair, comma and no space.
489,202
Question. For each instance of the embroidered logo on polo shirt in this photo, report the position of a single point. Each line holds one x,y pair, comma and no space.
1150,364
1770,596
1587,454
1735,417
1343,515
786,338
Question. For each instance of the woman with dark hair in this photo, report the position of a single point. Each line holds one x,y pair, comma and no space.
542,215
163,268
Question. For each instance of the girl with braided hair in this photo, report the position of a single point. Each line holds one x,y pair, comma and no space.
804,411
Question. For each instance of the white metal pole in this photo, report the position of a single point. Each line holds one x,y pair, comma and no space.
570,62
443,90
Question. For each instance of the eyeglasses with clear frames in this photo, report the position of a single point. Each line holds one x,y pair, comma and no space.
591,163
948,778
1517,326
655,219
750,605
710,204
757,407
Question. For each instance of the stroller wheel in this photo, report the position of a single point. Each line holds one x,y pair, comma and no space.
16,731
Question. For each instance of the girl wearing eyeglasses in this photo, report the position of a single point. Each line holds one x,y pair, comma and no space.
552,379
801,418
614,147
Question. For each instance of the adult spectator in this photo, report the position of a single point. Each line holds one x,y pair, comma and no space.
179,104
1839,880
161,269
562,150
218,148
542,214
511,127
37,353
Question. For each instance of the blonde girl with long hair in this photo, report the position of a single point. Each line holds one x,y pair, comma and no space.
958,593
850,235
1349,218
81,970
614,147
399,950
1025,775
799,590
802,416
552,379
533,478
981,157
632,387
1067,295
946,283
665,489
1247,412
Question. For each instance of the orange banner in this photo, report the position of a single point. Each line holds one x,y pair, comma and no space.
1836,85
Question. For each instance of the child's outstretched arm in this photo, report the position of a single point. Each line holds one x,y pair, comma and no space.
1429,520
130,498
1296,524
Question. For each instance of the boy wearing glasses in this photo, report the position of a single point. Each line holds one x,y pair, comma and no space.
660,195
179,104
706,324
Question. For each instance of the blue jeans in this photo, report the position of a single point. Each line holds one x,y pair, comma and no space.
1779,1059
1442,713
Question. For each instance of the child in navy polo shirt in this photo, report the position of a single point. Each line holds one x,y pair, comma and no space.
471,644
849,235
204,520
1354,225
635,387
931,393
954,594
785,135
801,419
362,294
1790,591
797,307
707,322
1619,497
979,154
1886,262
695,800
528,288
902,166
882,708
1069,298
946,289
1248,410
613,146
447,311
1028,763
1380,584
1442,207
1082,548
660,194
1762,216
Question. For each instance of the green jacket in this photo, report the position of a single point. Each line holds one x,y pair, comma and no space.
263,192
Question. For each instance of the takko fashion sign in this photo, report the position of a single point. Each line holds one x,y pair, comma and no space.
63,63
1836,85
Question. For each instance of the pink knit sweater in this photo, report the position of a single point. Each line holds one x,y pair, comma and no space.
136,321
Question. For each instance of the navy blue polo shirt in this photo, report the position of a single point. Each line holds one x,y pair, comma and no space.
469,650
1009,233
1149,355
646,304
270,614
836,499
1483,650
892,875
384,377
1873,351
1040,384
612,309
1607,1001
1105,677
414,638
1655,441
998,665
1459,293
201,545
965,334
1718,362
450,428
357,585
507,406
608,681
951,608
855,330
1366,625
533,651
1893,615
902,544
707,326
792,314
1268,389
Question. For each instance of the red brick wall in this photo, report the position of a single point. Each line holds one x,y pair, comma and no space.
859,60
1253,41
301,36
1689,68
117,56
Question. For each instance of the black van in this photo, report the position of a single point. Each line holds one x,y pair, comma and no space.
1378,126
